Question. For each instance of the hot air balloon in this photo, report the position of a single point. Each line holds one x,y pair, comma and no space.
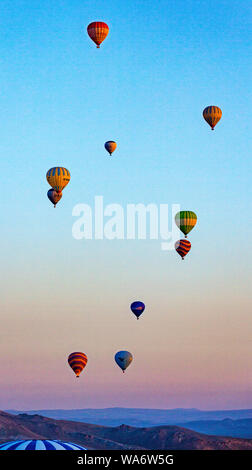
182,247
186,220
77,361
137,308
123,359
110,146
212,115
98,31
54,196
40,444
58,177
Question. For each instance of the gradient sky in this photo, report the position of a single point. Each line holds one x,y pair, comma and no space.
146,88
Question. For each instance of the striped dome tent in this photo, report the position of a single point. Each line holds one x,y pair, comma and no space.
36,444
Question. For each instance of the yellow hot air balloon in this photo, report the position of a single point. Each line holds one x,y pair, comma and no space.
58,177
212,115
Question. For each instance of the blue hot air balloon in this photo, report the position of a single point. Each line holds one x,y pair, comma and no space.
123,359
137,308
54,196
37,444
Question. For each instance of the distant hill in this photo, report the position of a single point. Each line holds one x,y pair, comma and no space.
225,427
140,416
25,426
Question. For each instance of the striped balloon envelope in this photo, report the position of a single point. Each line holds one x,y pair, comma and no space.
37,444
182,247
186,220
212,115
58,177
77,361
98,31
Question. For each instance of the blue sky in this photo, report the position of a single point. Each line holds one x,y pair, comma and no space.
146,88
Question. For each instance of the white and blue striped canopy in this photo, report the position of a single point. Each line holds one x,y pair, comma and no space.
36,444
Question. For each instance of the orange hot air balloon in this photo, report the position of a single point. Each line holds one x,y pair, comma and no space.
110,146
212,115
98,31
77,361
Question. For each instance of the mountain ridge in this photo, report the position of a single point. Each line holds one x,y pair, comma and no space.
139,417
24,426
241,428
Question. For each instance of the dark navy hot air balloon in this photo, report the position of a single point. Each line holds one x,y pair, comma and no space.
54,196
137,308
123,359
